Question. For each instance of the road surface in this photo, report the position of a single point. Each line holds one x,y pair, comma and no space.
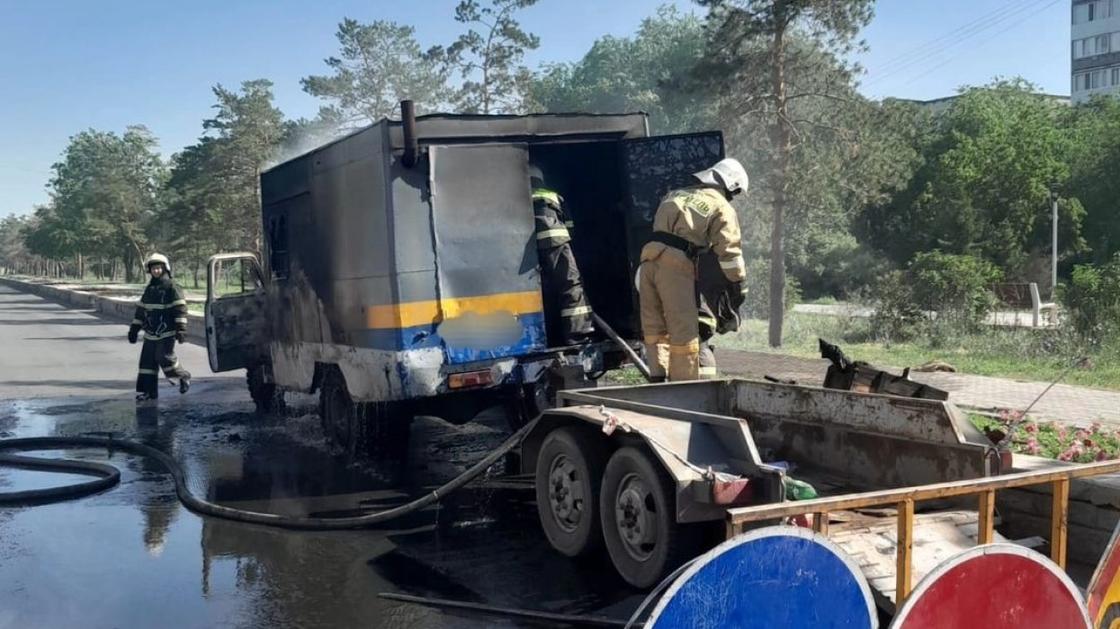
132,556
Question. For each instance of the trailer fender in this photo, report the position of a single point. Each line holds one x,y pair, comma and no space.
664,438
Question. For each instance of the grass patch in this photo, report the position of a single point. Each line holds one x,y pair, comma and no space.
1018,353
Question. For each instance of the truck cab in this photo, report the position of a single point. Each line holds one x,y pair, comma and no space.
399,270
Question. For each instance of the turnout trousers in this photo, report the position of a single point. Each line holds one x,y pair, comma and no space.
667,301
156,355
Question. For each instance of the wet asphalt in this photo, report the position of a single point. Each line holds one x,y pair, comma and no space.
132,556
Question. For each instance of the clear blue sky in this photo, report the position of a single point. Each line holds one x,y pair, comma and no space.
69,65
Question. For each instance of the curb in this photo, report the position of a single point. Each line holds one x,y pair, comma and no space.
111,307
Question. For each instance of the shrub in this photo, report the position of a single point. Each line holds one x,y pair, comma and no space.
957,287
1093,300
897,315
757,305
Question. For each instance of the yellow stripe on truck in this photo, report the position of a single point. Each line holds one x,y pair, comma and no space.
414,313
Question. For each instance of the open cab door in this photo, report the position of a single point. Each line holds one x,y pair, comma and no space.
236,325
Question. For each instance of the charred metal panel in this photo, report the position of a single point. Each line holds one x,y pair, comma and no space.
871,441
486,259
654,166
450,128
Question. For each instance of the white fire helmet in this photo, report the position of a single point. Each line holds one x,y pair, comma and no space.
727,173
158,258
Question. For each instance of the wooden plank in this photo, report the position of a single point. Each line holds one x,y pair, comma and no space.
985,526
918,493
820,522
905,552
1059,521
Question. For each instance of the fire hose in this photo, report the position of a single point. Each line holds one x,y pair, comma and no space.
109,476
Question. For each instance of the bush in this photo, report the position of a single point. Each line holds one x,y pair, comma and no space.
897,316
1093,300
956,287
757,305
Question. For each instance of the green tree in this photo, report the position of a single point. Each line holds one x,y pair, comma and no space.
1095,173
191,225
378,65
488,57
989,165
644,73
247,130
802,45
103,197
14,256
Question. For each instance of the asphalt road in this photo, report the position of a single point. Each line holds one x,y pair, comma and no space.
133,557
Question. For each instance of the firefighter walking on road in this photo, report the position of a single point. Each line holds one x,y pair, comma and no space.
688,222
567,314
162,316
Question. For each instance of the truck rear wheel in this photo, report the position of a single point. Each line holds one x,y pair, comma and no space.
637,506
569,473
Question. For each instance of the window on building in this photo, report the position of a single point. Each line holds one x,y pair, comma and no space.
1091,11
1102,44
1115,77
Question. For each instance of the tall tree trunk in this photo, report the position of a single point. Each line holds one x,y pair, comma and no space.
781,144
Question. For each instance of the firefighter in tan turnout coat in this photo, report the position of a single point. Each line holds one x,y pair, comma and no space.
688,221
162,316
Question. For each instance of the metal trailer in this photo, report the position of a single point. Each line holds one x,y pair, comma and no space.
399,272
652,471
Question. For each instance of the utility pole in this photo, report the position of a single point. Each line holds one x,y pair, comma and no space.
1054,247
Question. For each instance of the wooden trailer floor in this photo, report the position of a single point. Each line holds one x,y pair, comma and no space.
871,539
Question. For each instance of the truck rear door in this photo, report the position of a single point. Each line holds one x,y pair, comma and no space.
488,284
652,167
236,326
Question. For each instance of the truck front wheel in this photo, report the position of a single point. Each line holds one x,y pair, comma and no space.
569,472
640,527
267,397
339,413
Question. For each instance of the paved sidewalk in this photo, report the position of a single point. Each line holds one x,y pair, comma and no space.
1066,403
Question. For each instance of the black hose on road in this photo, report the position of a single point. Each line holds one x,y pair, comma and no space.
110,476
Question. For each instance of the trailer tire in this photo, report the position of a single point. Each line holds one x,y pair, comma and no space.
637,506
569,474
267,397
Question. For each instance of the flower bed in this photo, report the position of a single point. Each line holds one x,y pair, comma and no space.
1051,439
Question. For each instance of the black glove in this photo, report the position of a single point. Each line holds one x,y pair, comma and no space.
179,337
739,298
133,334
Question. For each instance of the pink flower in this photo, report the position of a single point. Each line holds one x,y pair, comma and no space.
1031,427
1095,426
1101,455
1033,446
1065,456
1081,434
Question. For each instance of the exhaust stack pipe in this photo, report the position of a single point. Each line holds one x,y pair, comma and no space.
408,128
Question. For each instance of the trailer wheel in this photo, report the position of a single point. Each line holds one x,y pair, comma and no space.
639,522
266,395
338,412
569,473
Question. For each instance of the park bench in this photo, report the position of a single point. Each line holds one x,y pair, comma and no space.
1025,296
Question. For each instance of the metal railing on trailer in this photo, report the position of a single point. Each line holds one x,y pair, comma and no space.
904,499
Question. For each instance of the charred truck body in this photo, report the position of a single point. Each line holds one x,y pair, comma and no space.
400,273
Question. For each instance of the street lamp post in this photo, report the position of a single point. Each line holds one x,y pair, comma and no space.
1054,247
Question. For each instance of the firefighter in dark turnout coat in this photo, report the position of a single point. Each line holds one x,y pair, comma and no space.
162,316
567,314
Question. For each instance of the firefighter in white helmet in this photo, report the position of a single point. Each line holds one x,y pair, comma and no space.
688,222
162,316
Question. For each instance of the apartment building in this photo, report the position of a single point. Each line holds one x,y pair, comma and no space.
1095,31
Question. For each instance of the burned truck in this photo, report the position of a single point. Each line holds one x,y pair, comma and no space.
399,271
